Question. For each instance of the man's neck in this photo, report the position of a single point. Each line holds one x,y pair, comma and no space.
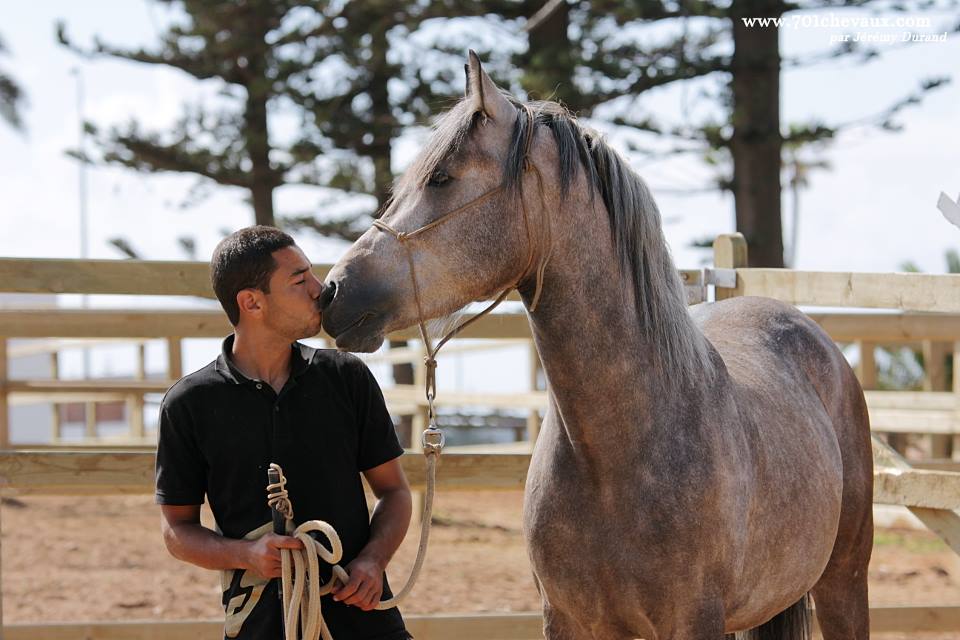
264,358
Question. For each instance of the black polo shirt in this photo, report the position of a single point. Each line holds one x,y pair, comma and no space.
219,432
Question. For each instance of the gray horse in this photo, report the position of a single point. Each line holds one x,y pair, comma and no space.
699,471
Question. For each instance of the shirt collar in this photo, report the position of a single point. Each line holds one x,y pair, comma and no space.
300,359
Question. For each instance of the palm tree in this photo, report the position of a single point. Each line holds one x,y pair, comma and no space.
798,164
12,97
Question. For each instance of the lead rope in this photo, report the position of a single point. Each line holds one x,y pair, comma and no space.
300,570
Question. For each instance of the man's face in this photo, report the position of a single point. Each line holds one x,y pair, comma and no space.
290,309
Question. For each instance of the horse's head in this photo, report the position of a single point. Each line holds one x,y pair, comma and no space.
455,231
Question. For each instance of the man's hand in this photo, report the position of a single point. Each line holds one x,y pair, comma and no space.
388,525
263,554
365,586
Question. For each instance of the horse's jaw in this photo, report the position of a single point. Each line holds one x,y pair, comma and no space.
365,334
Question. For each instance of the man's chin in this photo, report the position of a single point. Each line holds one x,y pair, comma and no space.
311,330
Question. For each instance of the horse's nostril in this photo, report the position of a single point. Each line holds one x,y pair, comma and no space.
326,296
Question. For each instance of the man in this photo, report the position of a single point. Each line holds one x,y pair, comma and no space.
319,414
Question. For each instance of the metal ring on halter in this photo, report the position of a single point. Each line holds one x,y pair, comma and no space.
432,440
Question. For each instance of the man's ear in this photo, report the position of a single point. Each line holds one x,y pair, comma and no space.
486,95
250,301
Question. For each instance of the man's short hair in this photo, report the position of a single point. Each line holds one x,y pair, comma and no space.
244,260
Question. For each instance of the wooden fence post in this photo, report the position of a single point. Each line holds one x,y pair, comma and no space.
4,402
135,401
956,376
935,379
57,434
419,382
1,572
90,420
729,252
417,426
956,370
867,369
533,417
174,358
867,374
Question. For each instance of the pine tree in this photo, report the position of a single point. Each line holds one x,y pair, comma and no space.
12,97
601,64
253,47
390,80
330,64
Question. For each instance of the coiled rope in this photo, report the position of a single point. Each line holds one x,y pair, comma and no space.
300,577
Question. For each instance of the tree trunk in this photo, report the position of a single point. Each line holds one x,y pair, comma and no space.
262,179
756,143
549,62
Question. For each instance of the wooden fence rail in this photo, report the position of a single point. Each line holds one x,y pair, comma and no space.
903,291
112,472
483,626
193,323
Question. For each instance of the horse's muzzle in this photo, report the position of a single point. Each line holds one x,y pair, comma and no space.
327,295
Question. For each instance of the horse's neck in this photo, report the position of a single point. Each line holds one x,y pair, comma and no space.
597,358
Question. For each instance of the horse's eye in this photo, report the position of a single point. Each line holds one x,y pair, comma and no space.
438,178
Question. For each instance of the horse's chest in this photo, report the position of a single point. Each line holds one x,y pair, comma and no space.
570,524
560,527
586,551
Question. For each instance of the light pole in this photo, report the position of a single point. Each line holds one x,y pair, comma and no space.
89,407
82,171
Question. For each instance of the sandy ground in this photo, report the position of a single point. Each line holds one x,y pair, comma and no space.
102,559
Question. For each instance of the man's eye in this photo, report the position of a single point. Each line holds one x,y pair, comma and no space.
439,178
300,282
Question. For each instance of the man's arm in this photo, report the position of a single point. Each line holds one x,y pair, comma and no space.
388,527
188,540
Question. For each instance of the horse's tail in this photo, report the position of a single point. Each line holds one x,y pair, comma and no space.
793,623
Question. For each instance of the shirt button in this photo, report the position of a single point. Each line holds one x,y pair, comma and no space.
259,386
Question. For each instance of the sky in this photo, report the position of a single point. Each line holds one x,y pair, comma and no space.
872,211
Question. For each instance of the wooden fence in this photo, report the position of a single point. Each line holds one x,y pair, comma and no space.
934,496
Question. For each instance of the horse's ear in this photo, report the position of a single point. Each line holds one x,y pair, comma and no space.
482,90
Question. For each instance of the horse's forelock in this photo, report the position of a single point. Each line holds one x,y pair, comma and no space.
449,133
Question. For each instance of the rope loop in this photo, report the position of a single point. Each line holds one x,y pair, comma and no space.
277,495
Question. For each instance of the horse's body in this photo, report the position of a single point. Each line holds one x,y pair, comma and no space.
719,506
696,473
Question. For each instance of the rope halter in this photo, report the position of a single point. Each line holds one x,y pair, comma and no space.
432,439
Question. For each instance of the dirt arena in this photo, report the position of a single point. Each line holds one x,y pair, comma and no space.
99,559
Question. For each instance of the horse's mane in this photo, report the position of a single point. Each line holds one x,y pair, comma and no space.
633,216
